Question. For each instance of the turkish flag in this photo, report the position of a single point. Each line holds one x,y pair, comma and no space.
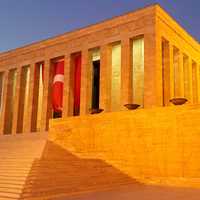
57,90
77,84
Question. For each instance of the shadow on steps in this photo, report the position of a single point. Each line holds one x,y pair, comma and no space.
59,173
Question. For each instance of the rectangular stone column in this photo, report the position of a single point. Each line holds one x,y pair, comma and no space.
86,79
47,108
159,71
198,83
190,81
166,72
152,71
35,97
181,75
195,82
28,114
126,71
66,89
105,77
2,114
16,106
171,66
10,99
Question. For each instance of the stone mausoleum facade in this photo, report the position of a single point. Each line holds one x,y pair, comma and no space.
143,57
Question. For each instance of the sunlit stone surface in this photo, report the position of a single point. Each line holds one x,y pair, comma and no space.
143,57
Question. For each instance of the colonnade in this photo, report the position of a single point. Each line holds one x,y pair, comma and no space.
181,74
20,88
127,74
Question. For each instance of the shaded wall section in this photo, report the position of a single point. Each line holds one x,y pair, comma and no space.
160,144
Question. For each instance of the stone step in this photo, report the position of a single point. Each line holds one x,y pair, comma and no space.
13,175
10,190
17,162
11,185
17,155
16,179
19,170
12,182
57,172
9,195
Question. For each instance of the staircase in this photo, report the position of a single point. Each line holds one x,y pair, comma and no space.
33,168
17,154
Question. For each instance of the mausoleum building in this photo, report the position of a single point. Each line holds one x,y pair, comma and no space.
143,57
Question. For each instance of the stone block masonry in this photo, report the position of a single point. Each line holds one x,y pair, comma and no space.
159,145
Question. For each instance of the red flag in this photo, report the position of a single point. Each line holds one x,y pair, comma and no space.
77,84
57,90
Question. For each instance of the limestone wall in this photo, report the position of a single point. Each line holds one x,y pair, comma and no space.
159,145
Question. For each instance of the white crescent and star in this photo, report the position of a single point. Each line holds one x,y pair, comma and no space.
58,78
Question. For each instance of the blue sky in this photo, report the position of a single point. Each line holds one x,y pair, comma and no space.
27,21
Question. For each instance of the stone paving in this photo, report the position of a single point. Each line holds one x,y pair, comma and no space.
140,192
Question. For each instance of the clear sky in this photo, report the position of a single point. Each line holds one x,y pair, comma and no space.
26,21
